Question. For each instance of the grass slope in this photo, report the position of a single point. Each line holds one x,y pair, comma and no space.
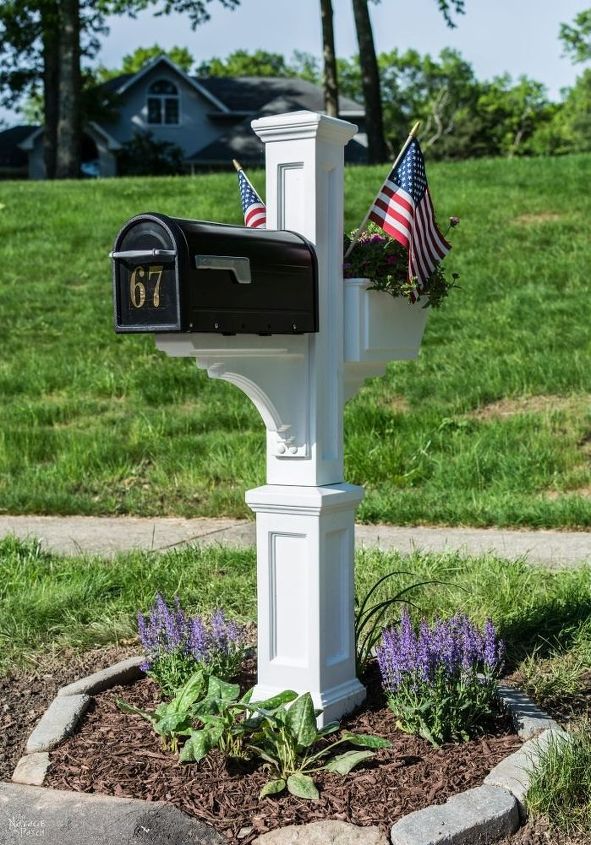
491,425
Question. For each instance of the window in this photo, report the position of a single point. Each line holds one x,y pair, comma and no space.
163,102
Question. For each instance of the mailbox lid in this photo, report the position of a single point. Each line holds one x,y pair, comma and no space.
148,256
244,281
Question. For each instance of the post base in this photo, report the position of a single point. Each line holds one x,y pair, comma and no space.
305,540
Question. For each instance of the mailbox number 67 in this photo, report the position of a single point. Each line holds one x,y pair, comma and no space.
137,287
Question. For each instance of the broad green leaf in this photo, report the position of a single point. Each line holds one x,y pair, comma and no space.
191,692
329,729
171,723
196,747
222,690
270,704
272,787
302,786
301,721
247,696
343,764
366,740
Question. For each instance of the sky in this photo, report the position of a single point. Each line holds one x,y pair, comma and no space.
517,36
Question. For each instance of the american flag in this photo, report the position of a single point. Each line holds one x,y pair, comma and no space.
255,212
403,209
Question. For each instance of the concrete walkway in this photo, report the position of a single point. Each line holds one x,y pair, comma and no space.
109,535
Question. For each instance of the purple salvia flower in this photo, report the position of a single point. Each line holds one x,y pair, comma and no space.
471,645
493,649
424,653
198,639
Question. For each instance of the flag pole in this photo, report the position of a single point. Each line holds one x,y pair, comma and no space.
240,169
362,228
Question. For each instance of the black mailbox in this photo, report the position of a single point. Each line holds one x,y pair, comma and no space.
172,275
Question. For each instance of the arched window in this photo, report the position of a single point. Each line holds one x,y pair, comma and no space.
163,102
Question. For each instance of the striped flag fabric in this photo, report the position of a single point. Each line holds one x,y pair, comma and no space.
253,208
403,209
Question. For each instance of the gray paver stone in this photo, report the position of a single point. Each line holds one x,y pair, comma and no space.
323,833
513,773
528,719
56,817
58,722
481,815
32,768
124,672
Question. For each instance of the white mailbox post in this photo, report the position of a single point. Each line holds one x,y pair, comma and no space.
305,514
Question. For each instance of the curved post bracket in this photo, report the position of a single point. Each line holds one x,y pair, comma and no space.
271,371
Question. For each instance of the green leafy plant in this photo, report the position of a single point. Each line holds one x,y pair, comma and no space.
176,644
369,618
384,262
285,737
221,713
280,731
173,719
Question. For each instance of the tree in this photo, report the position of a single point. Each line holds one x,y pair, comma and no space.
377,149
262,63
243,63
69,92
370,82
576,38
330,81
145,155
36,38
42,42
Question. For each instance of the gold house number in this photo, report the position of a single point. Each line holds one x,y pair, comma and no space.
137,285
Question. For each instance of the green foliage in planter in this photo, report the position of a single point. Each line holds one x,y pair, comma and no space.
384,262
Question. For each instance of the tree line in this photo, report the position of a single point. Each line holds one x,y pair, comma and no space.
44,44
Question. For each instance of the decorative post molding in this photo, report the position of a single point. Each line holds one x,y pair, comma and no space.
305,513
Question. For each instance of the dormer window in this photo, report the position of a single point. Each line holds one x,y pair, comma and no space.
163,102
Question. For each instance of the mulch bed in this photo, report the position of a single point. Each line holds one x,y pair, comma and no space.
118,754
25,694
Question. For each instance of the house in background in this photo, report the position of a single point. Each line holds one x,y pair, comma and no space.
207,118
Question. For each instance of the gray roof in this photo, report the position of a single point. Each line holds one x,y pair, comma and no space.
250,94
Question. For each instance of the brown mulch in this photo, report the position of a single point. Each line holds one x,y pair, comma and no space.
26,693
118,754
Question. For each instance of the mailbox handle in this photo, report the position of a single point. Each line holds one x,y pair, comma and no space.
237,265
162,254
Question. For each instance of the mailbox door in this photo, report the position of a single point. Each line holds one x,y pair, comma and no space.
251,281
148,257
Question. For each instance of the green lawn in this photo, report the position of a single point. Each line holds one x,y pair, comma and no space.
492,425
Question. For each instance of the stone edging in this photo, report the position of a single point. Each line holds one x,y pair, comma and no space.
63,714
486,813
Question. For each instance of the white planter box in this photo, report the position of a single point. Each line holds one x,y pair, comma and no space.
379,327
